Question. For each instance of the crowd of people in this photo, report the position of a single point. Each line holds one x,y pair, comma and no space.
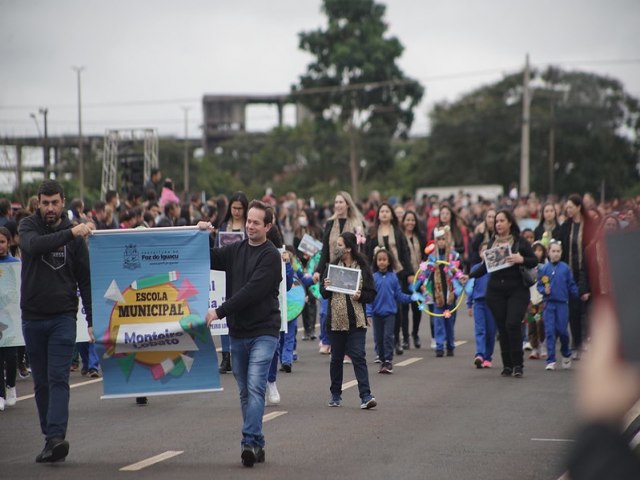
416,257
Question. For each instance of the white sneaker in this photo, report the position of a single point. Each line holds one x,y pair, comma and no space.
433,344
550,366
543,351
1,404
11,396
576,355
527,346
566,363
273,396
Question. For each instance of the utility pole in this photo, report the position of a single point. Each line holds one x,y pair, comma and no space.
78,71
186,153
524,154
552,148
45,144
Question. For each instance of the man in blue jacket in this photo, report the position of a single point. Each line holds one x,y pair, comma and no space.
55,265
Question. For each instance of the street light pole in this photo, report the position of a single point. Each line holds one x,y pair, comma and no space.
524,143
78,71
186,153
47,160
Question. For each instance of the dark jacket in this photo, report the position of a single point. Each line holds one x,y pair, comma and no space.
602,453
579,269
509,278
539,231
55,265
403,253
253,277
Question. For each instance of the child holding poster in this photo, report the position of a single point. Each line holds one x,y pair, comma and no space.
8,293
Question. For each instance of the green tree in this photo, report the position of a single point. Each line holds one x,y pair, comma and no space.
355,85
593,121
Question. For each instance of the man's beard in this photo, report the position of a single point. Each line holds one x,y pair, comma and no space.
51,219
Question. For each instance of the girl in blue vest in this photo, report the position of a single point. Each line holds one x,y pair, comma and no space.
384,307
556,284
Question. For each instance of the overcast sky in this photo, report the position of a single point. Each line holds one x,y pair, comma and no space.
145,60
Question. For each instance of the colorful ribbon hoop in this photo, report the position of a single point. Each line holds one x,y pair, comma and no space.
447,313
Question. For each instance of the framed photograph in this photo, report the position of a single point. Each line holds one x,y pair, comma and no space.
309,245
343,279
227,238
496,258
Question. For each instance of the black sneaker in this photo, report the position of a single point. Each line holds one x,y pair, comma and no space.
506,372
55,450
249,455
286,367
405,344
416,341
399,350
439,353
142,401
84,371
518,371
225,363
449,353
93,373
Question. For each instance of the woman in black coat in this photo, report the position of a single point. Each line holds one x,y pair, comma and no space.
507,294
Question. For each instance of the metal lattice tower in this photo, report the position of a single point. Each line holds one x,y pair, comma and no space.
118,141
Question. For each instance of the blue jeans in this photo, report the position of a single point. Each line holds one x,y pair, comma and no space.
251,359
485,330
444,328
325,339
288,342
224,343
556,323
383,336
352,344
88,355
50,343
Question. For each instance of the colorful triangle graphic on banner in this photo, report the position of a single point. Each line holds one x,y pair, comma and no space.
126,364
186,290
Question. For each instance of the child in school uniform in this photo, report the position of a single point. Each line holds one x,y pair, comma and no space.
484,323
444,297
384,307
535,321
556,284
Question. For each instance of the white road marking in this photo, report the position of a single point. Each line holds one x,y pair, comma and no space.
350,384
459,342
408,361
552,440
272,415
134,467
81,384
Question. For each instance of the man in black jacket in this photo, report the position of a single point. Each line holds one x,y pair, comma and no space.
254,271
55,265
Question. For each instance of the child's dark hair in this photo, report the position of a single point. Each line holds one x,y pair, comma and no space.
6,233
351,242
377,252
539,245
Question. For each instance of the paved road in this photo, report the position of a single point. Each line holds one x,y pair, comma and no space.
436,418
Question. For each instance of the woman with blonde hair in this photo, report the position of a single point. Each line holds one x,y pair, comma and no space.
346,218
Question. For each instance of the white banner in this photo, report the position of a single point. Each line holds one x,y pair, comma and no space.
11,315
217,296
